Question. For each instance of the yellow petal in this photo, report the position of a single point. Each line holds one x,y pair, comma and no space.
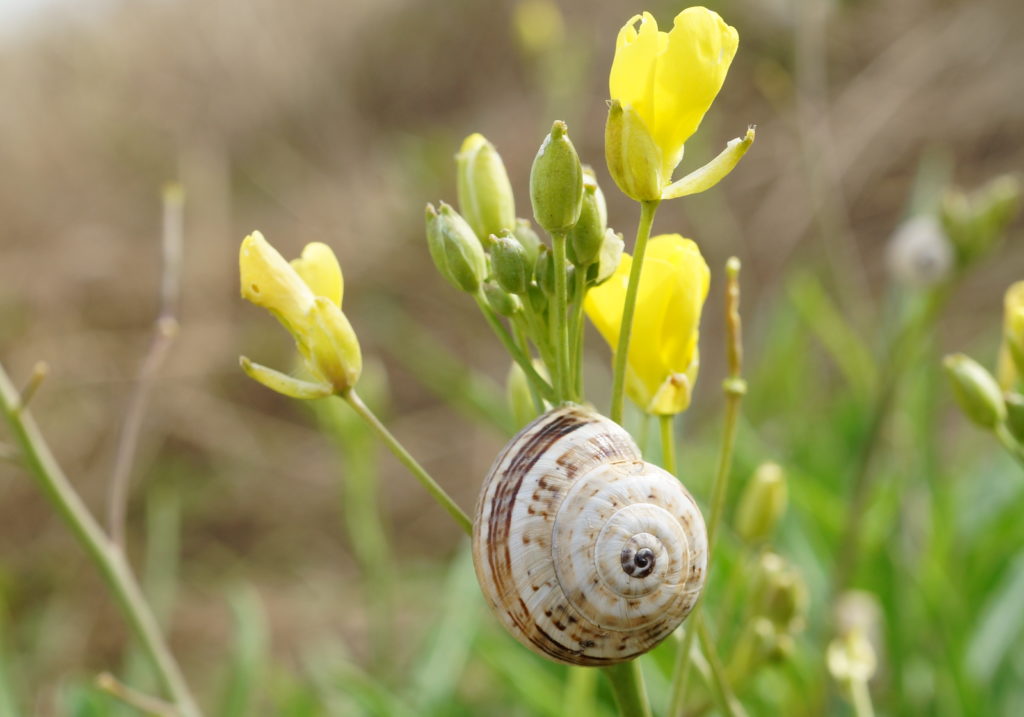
271,282
332,347
319,268
663,346
688,76
283,383
713,172
631,80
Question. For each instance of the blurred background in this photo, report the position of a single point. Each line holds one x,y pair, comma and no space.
336,122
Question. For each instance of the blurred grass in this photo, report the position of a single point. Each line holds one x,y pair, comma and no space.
336,122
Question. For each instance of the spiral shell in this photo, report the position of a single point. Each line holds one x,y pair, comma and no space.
586,553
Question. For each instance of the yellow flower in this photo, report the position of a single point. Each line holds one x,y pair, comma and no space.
305,296
1011,355
662,364
661,85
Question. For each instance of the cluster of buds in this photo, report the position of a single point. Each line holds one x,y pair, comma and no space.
996,405
485,250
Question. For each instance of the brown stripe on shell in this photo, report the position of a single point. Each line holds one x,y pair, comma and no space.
529,445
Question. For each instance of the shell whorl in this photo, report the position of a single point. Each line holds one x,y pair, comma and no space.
586,553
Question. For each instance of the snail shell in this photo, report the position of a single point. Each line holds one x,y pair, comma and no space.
586,553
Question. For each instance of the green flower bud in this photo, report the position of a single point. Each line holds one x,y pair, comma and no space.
977,222
1015,415
609,258
536,300
528,238
762,503
501,301
587,236
545,271
634,160
556,182
510,264
455,249
485,192
780,593
976,391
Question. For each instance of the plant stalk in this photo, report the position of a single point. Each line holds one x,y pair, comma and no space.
406,459
643,233
628,687
734,387
108,558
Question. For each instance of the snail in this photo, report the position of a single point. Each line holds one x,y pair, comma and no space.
585,552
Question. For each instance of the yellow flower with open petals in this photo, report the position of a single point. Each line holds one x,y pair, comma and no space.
305,296
663,359
661,85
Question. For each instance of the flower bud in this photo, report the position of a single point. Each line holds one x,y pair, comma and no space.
976,391
587,236
977,222
919,253
556,182
484,190
634,160
762,503
608,259
1015,415
330,345
455,249
851,659
528,238
500,300
510,264
545,271
780,593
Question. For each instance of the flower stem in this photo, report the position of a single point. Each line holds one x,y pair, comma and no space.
643,233
861,698
668,444
734,387
524,345
576,335
108,558
514,351
420,473
628,686
564,382
1010,443
727,700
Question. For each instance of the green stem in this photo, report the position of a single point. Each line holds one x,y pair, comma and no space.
668,443
734,387
580,293
514,351
108,558
563,381
523,341
1010,443
727,700
643,233
861,698
425,479
628,687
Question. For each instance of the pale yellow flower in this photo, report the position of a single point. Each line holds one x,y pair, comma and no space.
661,85
1011,355
663,359
306,297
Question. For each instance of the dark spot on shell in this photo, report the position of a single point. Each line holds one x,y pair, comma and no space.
584,644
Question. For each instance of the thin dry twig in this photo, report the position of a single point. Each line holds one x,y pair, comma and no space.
39,374
134,698
172,240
